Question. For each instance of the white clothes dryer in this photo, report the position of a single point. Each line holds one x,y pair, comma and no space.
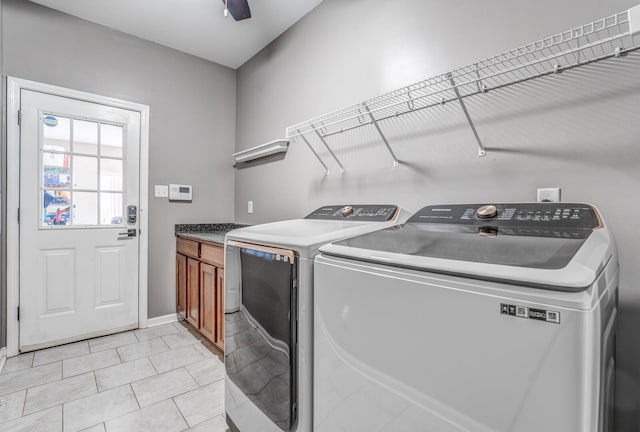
268,313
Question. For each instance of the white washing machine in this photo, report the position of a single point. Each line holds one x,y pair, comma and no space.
268,313
475,318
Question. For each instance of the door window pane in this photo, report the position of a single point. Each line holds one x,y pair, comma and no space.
56,207
56,133
111,138
82,173
85,137
85,172
111,209
85,208
55,170
111,174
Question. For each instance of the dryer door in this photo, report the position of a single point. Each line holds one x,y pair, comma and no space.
260,338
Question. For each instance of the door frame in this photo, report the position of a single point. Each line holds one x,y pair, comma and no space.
14,87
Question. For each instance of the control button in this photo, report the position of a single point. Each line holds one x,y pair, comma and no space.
522,311
346,211
486,212
488,232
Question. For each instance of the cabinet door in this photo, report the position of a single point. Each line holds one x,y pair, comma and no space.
193,292
207,300
219,310
181,285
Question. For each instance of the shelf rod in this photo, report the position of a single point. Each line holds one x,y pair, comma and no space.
492,75
329,149
315,153
384,139
481,150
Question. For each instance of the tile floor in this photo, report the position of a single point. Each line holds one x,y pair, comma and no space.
160,379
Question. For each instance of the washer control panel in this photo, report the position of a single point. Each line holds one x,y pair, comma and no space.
371,213
487,212
541,215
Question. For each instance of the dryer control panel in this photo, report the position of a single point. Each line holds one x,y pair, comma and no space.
530,215
369,213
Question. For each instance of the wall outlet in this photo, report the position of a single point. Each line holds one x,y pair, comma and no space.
549,195
249,207
162,191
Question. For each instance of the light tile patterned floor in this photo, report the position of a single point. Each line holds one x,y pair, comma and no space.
160,379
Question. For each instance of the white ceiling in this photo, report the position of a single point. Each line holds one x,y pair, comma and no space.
196,27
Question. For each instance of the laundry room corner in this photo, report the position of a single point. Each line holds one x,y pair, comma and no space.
577,131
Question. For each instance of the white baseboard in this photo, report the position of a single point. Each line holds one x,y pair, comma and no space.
164,319
3,357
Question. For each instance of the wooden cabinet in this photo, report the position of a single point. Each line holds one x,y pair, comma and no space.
200,287
207,300
219,309
188,247
193,292
212,254
181,285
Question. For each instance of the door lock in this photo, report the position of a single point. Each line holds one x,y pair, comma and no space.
132,214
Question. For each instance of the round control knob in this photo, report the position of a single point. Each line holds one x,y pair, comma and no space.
346,211
487,212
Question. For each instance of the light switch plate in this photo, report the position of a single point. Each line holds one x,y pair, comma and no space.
549,195
162,191
249,207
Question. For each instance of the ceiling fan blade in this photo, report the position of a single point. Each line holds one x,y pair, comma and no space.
239,9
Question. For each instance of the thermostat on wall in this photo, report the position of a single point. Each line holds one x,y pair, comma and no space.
180,192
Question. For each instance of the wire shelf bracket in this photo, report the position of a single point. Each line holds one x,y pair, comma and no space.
384,138
315,153
329,150
481,150
610,37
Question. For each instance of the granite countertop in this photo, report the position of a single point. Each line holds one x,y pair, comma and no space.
210,233
209,237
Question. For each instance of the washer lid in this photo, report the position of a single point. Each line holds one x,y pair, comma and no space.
538,249
327,224
520,242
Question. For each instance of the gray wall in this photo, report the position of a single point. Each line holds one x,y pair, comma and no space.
192,104
579,130
3,291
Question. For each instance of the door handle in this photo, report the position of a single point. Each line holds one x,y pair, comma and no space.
131,233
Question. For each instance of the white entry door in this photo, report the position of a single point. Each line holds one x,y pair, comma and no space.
79,172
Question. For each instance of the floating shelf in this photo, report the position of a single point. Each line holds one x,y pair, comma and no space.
612,36
263,150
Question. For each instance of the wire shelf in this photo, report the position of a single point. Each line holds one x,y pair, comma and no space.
612,36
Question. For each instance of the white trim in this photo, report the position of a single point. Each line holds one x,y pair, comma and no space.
3,357
14,86
12,235
164,319
35,347
143,272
